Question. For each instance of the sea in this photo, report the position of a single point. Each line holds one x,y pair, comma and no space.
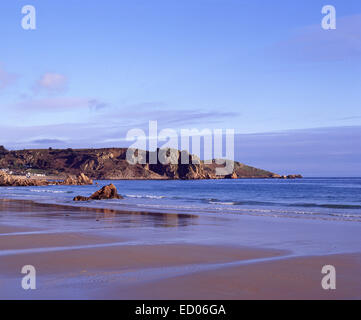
308,198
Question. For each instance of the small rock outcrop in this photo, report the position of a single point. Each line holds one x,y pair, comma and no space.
8,180
105,193
294,176
276,176
232,176
81,198
80,180
290,176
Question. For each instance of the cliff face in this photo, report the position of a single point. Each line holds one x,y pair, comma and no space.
111,163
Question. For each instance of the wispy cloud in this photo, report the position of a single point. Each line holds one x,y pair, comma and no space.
184,117
113,127
6,78
52,104
312,43
47,141
58,104
140,114
350,118
51,83
95,104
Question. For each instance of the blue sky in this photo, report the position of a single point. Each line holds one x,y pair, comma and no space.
93,70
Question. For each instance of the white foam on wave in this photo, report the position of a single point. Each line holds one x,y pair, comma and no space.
223,203
276,213
49,191
144,196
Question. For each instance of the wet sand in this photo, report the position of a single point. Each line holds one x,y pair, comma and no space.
84,260
286,279
91,265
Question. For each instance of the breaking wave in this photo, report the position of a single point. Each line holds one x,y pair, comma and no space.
50,191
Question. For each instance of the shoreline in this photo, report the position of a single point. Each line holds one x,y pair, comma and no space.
79,206
169,218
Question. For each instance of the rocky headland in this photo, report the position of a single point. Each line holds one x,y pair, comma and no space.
111,164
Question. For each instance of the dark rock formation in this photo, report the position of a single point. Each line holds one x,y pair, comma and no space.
81,198
105,193
276,176
80,180
294,176
291,176
3,151
9,180
232,176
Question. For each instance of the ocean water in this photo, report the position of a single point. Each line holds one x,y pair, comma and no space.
308,198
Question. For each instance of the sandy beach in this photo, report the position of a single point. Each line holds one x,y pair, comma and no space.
109,262
183,150
286,279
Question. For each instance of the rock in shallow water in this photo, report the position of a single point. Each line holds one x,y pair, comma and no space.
81,198
105,193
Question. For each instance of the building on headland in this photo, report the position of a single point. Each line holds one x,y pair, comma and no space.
6,171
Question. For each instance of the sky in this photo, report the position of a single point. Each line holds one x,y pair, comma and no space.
93,70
